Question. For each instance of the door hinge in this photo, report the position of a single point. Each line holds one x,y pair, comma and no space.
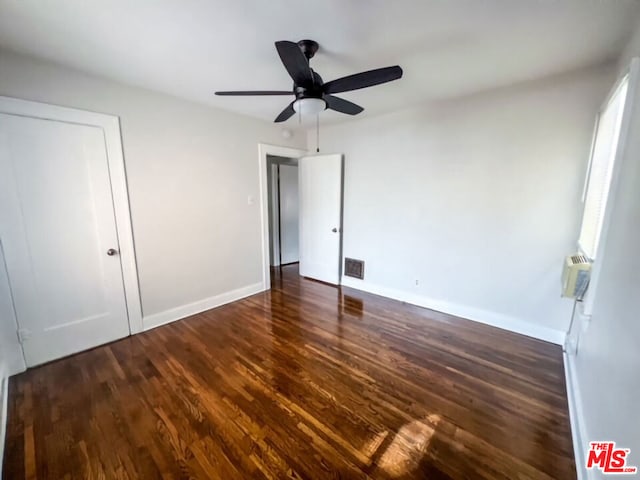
24,335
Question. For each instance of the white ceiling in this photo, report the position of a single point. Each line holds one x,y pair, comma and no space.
189,48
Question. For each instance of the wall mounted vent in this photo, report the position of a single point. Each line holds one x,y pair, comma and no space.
354,268
575,276
577,259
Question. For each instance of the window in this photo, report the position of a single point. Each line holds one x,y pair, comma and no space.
598,180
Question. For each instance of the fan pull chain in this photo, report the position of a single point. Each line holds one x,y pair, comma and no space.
318,133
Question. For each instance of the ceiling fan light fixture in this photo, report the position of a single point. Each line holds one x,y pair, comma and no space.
309,106
312,94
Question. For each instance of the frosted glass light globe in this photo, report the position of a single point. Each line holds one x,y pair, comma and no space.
309,106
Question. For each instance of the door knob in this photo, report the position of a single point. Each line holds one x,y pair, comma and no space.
111,252
334,230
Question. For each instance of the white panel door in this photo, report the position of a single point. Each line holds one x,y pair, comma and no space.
320,194
289,202
58,232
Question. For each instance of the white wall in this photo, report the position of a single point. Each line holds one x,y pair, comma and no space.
190,172
605,372
468,206
632,48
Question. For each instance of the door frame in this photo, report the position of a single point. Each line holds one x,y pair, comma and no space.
265,149
110,126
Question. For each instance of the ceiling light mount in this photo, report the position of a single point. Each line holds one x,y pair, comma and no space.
308,47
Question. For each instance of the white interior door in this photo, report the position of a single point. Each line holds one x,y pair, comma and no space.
320,194
289,201
58,233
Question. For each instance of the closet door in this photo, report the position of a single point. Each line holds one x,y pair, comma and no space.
59,238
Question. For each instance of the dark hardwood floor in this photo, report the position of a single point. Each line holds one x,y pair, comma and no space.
304,381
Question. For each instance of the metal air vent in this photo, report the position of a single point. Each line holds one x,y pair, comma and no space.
354,268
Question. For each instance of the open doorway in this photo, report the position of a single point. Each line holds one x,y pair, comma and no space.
301,213
283,204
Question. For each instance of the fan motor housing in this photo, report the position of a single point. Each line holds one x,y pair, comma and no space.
308,47
314,91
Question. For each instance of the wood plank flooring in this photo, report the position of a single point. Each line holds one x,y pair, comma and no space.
306,381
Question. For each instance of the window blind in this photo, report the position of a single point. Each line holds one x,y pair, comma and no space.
600,171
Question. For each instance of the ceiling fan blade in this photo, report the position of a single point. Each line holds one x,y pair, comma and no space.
242,93
363,80
286,114
295,62
343,106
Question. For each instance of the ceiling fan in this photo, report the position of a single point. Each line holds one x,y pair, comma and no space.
312,95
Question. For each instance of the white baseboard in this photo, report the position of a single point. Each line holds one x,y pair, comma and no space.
576,416
478,315
168,316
